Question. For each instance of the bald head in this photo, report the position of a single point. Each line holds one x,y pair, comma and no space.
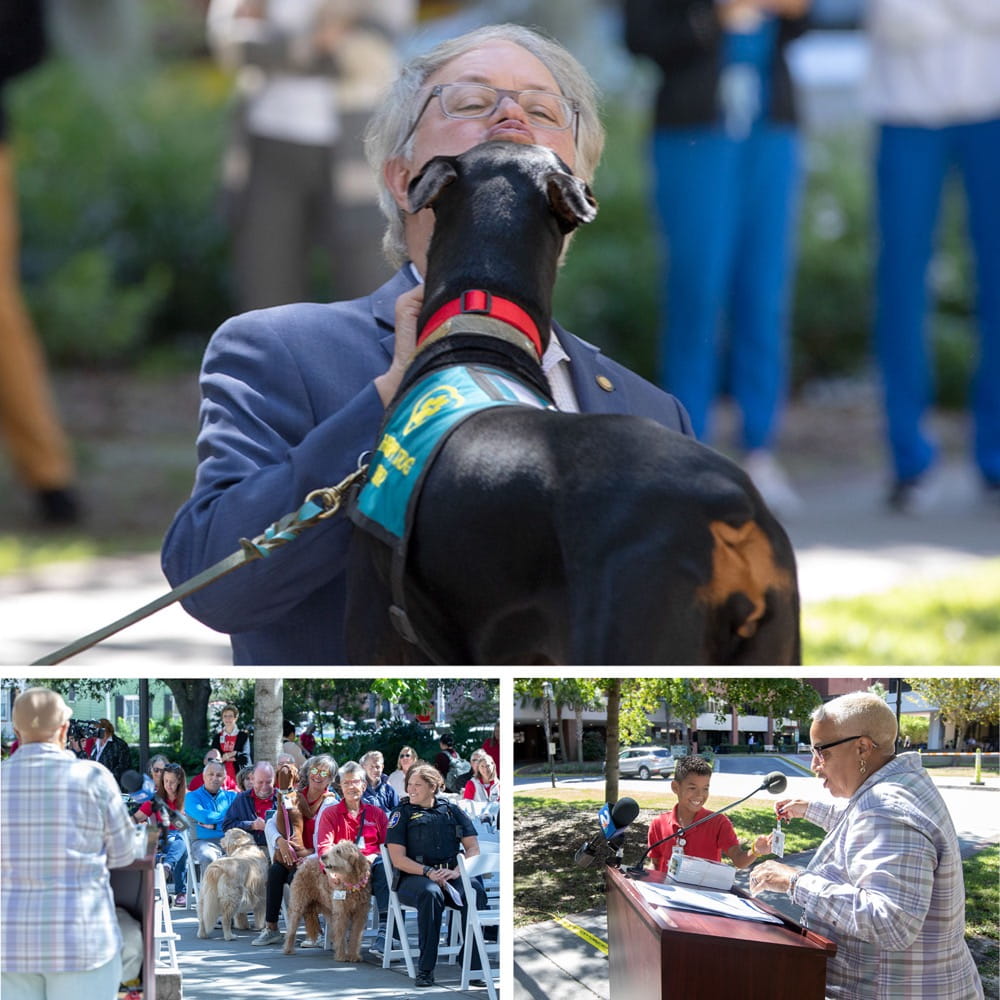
39,715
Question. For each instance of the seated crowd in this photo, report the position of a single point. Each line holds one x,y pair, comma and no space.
409,811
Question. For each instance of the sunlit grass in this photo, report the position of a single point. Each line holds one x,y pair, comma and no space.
949,622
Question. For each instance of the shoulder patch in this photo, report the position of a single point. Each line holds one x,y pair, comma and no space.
394,819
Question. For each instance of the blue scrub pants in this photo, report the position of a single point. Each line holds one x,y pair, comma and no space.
728,210
911,166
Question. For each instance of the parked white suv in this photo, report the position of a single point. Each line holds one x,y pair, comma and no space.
645,762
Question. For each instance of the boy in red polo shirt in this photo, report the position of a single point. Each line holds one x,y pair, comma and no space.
710,840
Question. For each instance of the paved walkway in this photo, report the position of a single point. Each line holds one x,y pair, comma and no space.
846,544
213,968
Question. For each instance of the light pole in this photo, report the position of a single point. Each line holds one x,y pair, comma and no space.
549,749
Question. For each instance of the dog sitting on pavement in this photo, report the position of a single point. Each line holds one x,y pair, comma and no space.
531,535
337,885
233,885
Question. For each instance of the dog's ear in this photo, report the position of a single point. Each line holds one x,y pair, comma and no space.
571,199
437,174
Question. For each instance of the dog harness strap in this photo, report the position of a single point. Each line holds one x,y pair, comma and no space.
480,303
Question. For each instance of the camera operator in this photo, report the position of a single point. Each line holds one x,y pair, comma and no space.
59,934
110,750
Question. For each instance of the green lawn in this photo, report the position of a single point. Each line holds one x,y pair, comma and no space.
949,622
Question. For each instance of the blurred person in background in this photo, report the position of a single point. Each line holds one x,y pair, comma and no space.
29,421
933,91
406,759
110,750
232,743
727,179
309,73
60,939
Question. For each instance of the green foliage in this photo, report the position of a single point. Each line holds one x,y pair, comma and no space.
916,728
608,290
121,245
949,622
962,701
831,307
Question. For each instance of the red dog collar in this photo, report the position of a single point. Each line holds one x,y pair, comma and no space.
480,303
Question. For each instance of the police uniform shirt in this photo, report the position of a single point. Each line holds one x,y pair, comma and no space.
431,836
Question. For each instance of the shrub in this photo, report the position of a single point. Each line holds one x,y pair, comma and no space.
121,246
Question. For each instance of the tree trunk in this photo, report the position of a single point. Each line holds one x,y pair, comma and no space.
268,701
614,693
192,699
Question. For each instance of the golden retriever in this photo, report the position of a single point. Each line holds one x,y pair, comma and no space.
233,884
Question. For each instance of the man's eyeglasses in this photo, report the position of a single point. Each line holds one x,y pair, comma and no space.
476,100
820,749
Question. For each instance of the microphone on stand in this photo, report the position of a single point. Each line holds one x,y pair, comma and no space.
775,782
603,848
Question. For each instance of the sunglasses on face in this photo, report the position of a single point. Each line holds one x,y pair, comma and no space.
322,772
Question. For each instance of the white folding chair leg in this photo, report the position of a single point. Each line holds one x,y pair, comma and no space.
476,920
192,875
395,925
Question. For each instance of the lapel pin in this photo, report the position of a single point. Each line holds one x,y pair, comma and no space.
605,383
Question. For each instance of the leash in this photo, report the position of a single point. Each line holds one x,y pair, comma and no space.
318,506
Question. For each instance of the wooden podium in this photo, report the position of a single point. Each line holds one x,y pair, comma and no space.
132,887
657,953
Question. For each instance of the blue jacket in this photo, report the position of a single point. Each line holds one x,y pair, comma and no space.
288,406
242,812
207,809
383,795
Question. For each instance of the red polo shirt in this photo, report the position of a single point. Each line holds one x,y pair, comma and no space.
338,821
706,841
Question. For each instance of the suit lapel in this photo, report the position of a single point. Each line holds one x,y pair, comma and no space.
597,390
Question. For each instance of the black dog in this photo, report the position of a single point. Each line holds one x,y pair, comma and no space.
537,536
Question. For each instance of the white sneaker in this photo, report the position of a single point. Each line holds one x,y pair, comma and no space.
772,481
311,943
267,936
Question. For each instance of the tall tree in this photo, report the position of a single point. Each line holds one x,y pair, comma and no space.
192,698
267,718
963,701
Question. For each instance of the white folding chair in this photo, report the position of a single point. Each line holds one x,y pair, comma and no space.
395,926
192,873
487,863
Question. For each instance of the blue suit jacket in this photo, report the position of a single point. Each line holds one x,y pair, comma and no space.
288,406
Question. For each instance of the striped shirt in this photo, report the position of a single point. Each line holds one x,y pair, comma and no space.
64,824
886,885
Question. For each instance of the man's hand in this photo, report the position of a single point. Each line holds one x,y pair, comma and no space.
408,307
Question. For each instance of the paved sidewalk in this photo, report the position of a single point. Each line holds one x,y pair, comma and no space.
212,968
846,545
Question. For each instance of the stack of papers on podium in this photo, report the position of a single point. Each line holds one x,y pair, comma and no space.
718,904
700,871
